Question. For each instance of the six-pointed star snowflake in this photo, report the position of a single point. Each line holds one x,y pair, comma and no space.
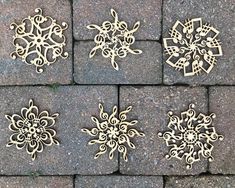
192,47
113,132
114,39
39,40
32,129
190,136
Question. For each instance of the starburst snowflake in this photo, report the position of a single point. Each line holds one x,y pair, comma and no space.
190,136
39,40
114,39
192,47
113,133
32,129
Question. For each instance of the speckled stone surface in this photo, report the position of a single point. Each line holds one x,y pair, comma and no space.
222,102
148,12
119,182
150,107
98,70
37,182
218,13
76,105
201,182
16,72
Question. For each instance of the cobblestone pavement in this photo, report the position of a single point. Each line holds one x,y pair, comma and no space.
75,86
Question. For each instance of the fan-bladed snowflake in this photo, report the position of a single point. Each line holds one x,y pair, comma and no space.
190,136
32,130
114,39
192,47
113,133
39,40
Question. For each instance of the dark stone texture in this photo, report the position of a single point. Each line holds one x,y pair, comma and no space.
222,103
148,12
16,72
37,182
201,182
119,182
145,68
220,14
76,105
150,107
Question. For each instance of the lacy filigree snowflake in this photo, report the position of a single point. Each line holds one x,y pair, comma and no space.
32,129
192,47
39,40
113,132
114,39
190,136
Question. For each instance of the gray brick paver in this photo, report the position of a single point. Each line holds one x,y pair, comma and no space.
98,70
16,72
222,102
148,12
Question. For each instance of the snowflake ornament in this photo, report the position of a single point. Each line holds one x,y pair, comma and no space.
190,136
113,133
192,47
39,40
114,39
32,130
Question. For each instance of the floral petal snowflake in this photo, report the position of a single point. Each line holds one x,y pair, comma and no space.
32,129
190,136
113,132
114,39
192,47
39,40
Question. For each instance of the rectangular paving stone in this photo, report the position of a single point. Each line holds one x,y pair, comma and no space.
119,181
76,105
219,14
200,182
145,68
16,72
148,12
36,182
222,103
150,108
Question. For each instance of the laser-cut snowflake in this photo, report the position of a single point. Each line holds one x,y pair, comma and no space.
113,132
39,40
192,47
32,130
114,39
190,136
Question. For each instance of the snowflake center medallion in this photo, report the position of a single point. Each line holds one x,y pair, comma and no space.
192,47
39,40
190,136
32,130
113,132
114,39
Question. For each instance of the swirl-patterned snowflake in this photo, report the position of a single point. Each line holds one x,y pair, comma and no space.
190,136
192,47
39,40
113,132
114,39
32,130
